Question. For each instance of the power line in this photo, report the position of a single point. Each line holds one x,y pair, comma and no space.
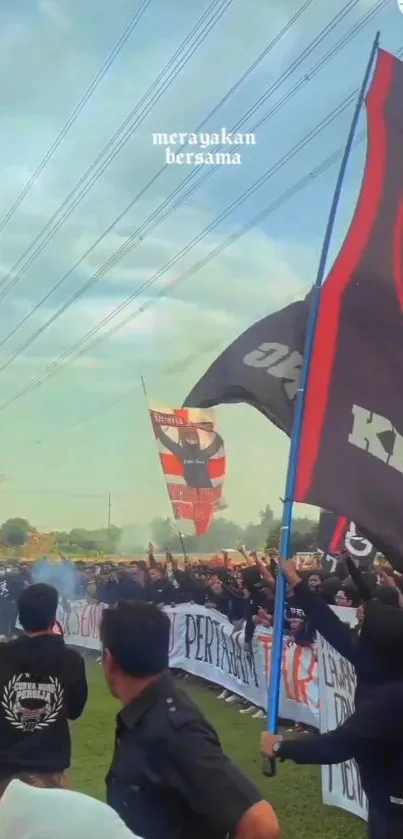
172,370
290,193
344,41
39,379
138,234
131,204
47,233
129,28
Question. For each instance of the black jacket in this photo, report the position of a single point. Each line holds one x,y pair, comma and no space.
11,586
194,459
373,736
160,592
371,668
42,685
169,778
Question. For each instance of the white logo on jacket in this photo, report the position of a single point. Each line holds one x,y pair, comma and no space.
30,706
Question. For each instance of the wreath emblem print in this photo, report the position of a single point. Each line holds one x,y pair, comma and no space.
31,706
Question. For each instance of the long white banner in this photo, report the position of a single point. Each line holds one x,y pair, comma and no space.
341,784
203,642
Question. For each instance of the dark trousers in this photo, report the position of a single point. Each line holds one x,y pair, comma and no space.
8,616
384,826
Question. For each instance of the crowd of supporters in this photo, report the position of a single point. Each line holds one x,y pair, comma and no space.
243,589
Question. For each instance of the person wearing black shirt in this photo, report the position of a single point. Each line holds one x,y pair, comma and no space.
108,590
371,668
42,686
169,778
129,588
190,453
11,584
159,590
372,735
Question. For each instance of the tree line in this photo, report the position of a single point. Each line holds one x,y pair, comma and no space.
15,533
225,534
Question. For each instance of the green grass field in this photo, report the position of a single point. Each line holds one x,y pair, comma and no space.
295,792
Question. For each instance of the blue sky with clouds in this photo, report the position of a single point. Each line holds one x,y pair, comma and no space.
84,431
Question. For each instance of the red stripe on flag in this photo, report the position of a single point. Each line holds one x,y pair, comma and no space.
171,464
325,344
339,534
183,413
216,468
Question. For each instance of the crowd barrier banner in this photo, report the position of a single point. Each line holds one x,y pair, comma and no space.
204,644
341,784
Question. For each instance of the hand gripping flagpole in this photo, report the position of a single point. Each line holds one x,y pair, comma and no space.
269,766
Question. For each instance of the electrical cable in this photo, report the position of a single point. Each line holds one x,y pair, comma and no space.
67,356
138,234
47,233
129,28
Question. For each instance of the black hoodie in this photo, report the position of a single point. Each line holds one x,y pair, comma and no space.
373,735
371,667
42,685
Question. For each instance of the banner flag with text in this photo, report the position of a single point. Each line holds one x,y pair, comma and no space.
351,453
193,461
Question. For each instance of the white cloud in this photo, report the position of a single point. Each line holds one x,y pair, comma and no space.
54,13
60,47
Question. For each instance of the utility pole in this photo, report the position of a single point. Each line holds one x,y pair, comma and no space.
109,515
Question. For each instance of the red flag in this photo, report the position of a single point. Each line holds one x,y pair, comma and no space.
193,460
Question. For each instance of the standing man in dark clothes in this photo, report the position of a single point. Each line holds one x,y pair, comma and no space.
169,777
218,596
108,590
129,588
372,736
42,686
11,585
159,590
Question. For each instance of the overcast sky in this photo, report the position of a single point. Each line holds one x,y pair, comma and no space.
84,432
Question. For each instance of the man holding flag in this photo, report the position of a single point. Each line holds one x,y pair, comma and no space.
372,736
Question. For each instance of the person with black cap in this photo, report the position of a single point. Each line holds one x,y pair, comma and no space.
42,686
169,777
372,736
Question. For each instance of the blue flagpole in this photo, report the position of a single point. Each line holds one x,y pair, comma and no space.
285,537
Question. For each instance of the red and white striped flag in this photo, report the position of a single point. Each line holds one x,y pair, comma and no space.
193,461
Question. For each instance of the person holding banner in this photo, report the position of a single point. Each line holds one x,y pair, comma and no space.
190,453
372,735
169,776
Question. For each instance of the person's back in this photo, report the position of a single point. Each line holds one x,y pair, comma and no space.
30,813
42,686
